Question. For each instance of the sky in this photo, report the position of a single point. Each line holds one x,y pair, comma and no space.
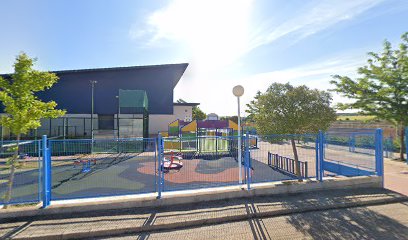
226,42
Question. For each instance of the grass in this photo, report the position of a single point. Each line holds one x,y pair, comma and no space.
355,118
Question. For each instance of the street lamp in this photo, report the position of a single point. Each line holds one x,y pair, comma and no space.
238,91
92,111
117,118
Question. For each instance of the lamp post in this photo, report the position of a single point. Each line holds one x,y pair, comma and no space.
238,91
117,118
92,111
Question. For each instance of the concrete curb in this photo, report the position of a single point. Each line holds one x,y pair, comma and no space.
189,197
219,220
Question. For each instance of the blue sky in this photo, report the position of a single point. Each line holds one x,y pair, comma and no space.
247,42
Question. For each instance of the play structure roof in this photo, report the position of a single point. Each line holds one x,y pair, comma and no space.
212,124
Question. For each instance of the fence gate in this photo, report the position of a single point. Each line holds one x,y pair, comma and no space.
350,154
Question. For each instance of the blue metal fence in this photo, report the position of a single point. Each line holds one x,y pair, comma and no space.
72,169
350,154
102,167
27,177
275,157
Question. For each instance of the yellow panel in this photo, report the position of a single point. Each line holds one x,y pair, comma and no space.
191,127
164,134
233,125
170,145
174,123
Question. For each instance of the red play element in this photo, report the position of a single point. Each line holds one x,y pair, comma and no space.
173,164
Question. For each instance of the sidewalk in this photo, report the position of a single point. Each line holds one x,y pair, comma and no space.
134,221
396,176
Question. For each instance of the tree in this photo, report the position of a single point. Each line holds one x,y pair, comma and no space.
381,89
198,114
22,107
232,118
285,109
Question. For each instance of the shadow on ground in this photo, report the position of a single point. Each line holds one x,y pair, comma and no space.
344,223
348,223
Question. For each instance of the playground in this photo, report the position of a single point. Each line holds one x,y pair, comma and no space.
98,175
121,168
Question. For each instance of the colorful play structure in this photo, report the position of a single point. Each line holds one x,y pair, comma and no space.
206,136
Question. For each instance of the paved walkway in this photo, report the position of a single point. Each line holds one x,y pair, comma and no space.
386,222
299,209
396,176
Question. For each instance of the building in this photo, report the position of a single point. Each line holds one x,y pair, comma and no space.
127,102
212,116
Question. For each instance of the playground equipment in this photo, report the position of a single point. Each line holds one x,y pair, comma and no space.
174,163
86,164
200,136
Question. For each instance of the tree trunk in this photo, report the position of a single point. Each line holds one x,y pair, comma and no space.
402,141
297,165
13,162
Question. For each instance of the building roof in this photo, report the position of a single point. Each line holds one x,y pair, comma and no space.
186,104
181,66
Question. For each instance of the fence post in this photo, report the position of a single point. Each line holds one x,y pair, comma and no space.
317,144
379,159
247,161
160,149
46,167
320,155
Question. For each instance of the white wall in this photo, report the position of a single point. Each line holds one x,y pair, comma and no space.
160,122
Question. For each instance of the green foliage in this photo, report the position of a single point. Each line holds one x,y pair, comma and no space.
22,107
198,114
17,94
381,89
232,118
382,86
285,109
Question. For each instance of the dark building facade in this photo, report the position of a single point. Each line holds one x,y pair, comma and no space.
73,92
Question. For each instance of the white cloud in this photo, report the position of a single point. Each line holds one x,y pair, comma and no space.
214,34
316,18
217,96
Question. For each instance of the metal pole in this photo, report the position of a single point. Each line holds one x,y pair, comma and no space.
379,159
118,121
247,162
160,165
92,107
321,156
46,173
117,118
239,142
92,113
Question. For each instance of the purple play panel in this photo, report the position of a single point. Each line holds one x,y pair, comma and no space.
212,124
